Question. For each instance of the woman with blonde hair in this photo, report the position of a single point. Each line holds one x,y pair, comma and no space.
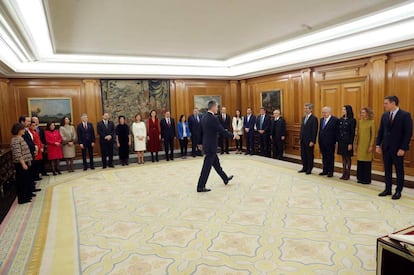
365,139
139,132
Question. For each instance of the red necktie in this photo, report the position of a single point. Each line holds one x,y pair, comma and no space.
390,119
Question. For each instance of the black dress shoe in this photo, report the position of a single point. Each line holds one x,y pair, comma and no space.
24,201
111,166
84,169
37,179
302,171
385,193
308,172
45,174
228,179
323,174
330,175
204,190
33,195
92,167
37,190
396,196
103,167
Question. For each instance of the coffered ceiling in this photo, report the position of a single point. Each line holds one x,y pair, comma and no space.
193,38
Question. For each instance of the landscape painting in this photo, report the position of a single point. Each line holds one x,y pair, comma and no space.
49,109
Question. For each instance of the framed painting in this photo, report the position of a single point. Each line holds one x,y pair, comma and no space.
272,100
50,109
201,102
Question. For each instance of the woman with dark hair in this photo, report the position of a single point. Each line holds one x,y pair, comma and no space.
153,135
238,130
183,135
346,135
22,158
365,145
123,140
69,138
54,147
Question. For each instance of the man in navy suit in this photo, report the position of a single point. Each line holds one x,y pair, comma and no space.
210,127
308,133
224,119
263,128
168,134
194,125
86,139
278,134
248,124
106,132
394,135
327,140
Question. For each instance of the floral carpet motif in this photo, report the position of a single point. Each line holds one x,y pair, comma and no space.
269,220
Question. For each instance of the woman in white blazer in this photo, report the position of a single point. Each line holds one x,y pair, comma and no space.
238,130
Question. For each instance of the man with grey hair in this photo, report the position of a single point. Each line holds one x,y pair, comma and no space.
327,140
308,132
86,139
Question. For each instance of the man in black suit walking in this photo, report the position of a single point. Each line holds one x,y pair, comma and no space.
248,124
327,140
210,127
86,139
308,132
194,125
168,135
263,127
106,132
224,119
278,134
394,135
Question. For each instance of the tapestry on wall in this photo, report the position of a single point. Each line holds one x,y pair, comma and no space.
131,97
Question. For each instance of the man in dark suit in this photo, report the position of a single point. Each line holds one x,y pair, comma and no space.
86,139
327,140
210,127
394,135
248,124
168,135
263,128
28,138
106,132
308,132
278,134
194,125
224,119
41,133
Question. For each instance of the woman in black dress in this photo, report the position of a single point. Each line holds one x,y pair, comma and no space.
123,140
346,134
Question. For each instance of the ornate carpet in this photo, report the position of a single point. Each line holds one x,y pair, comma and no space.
149,219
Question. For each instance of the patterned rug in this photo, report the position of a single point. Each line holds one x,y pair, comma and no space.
149,219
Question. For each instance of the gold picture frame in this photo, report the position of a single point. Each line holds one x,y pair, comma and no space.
50,109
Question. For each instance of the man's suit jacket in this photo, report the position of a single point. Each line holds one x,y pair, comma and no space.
328,134
210,127
194,125
225,122
309,131
32,146
265,125
105,130
167,131
85,136
250,123
396,135
41,133
278,128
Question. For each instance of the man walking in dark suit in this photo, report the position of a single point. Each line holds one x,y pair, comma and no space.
86,139
327,140
278,134
194,125
263,128
308,132
248,124
168,134
210,127
394,135
224,119
106,132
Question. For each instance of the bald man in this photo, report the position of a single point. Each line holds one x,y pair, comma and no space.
327,140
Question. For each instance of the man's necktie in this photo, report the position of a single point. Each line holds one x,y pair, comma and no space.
324,123
391,118
306,119
261,123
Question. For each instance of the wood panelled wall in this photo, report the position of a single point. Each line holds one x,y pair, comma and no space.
360,82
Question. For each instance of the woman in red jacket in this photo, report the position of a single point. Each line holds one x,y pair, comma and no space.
54,146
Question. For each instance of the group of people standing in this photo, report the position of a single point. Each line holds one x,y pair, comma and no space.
347,136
